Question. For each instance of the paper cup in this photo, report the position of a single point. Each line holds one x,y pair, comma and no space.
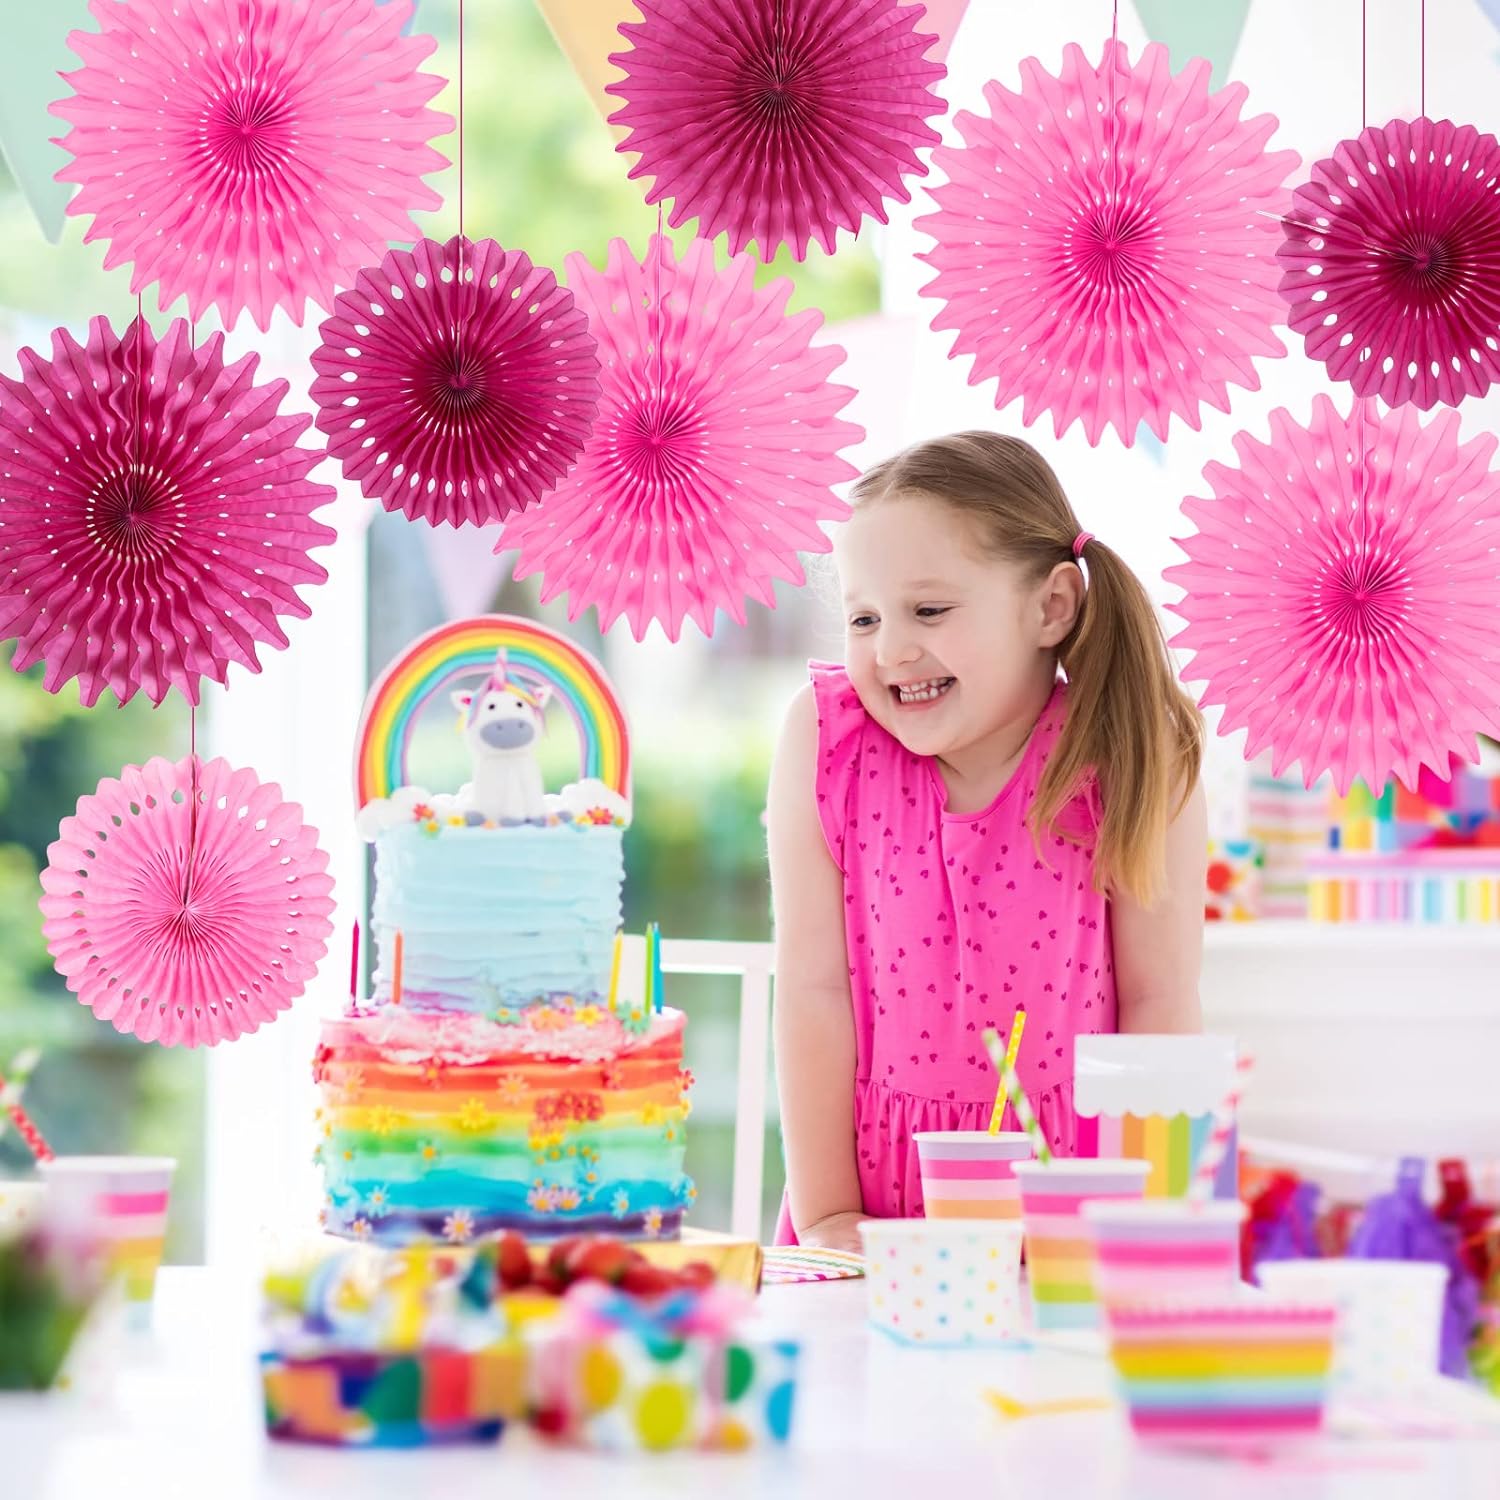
1390,1317
943,1282
1241,1371
966,1174
1164,1247
113,1209
20,1207
1059,1246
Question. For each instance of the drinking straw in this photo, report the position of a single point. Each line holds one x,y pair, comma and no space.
1011,1052
35,1142
614,972
396,965
1011,1085
1211,1157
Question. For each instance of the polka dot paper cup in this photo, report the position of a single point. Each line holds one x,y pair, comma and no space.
967,1174
1059,1245
113,1208
944,1283
1390,1318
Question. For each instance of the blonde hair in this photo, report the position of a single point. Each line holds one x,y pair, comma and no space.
1129,724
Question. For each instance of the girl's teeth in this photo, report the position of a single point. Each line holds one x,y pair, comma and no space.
924,692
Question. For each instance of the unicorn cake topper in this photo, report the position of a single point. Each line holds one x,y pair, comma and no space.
503,722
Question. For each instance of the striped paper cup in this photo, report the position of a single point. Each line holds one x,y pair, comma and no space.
966,1174
113,1208
1223,1373
1165,1247
1059,1246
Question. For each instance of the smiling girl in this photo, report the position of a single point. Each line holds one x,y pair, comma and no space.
992,806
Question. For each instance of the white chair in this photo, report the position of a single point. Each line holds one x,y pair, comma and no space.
752,962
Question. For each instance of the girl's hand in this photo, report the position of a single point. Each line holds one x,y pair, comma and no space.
836,1232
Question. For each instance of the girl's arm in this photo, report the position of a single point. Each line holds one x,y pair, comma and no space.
1159,949
813,1019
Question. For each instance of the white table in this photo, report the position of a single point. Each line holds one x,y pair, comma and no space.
182,1419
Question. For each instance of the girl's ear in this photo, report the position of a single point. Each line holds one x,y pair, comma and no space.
1060,598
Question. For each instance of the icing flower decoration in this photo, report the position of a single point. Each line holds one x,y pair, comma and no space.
382,1119
550,1018
432,1072
428,1155
568,1199
541,1200
474,1116
507,1015
458,1227
653,1221
377,1201
619,1205
360,1228
588,1015
511,1090
612,1076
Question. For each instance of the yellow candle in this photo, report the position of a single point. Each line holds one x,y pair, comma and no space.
614,972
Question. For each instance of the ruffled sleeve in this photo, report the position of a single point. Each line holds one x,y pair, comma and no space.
841,727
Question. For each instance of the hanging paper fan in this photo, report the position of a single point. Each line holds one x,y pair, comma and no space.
456,382
155,512
776,120
711,460
1343,609
1392,262
250,153
1102,246
180,922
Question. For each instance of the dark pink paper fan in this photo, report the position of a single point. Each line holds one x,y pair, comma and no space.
1392,262
183,924
250,153
155,512
1343,609
778,121
1103,246
711,461
456,382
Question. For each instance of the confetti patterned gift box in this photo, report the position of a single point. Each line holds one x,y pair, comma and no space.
626,1374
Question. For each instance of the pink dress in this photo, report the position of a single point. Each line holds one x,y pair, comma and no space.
952,922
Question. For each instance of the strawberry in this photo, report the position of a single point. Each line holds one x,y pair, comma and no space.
557,1256
646,1281
697,1274
603,1260
514,1264
545,1279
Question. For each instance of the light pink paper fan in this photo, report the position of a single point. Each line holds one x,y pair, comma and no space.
453,397
1112,269
710,465
1392,262
250,153
1344,612
155,512
777,121
180,924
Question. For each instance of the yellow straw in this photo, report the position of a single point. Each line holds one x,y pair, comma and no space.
1017,1096
1011,1053
614,971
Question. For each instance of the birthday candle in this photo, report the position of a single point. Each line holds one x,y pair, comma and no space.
656,984
614,972
396,963
354,964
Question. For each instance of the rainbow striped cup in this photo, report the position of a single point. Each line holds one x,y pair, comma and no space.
1059,1246
1229,1372
967,1174
1164,1247
113,1208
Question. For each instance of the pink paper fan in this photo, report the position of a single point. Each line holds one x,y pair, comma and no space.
1112,271
155,512
1343,612
1392,262
710,465
250,153
456,400
183,925
776,120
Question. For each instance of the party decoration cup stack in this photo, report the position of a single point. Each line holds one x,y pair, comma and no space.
943,1282
967,1174
113,1209
1059,1248
1390,1318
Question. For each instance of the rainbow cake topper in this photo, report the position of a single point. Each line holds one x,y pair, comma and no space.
468,648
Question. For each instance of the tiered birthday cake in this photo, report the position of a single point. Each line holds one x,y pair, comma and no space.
505,1073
